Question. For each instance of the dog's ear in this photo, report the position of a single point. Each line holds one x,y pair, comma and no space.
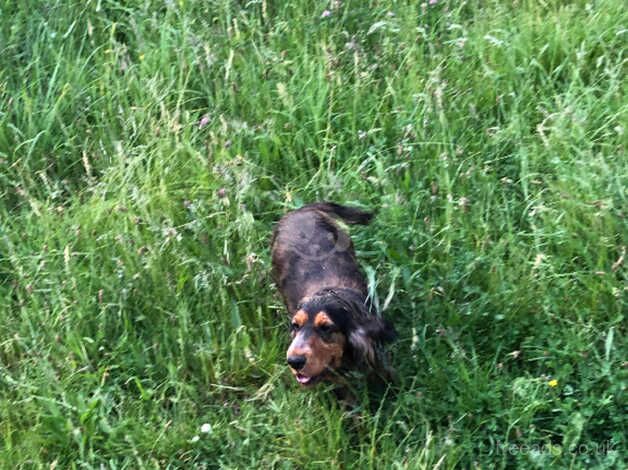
366,338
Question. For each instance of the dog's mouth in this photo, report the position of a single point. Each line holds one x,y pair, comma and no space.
307,380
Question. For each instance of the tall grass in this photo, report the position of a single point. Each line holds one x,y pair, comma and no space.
146,149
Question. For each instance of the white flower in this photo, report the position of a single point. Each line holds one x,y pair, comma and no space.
206,428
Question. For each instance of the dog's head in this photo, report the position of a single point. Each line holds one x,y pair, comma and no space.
332,331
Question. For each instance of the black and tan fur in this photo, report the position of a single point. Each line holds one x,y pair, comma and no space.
334,327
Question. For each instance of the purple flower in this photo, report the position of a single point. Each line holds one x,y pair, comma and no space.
325,14
203,122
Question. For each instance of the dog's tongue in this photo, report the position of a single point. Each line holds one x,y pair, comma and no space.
303,379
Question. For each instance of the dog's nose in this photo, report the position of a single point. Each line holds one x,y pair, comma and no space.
296,362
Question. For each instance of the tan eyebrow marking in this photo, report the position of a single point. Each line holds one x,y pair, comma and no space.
322,319
300,318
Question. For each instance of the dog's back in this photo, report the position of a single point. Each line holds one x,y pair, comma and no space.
311,252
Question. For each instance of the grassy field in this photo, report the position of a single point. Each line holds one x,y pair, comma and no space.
147,148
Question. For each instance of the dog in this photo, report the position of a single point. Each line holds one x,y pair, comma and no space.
334,326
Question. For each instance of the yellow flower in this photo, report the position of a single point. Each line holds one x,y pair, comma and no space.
552,383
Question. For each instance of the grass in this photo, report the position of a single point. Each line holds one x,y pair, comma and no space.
147,148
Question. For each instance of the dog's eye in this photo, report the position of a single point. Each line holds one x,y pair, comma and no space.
326,329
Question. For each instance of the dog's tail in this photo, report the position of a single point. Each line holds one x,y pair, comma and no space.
351,215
